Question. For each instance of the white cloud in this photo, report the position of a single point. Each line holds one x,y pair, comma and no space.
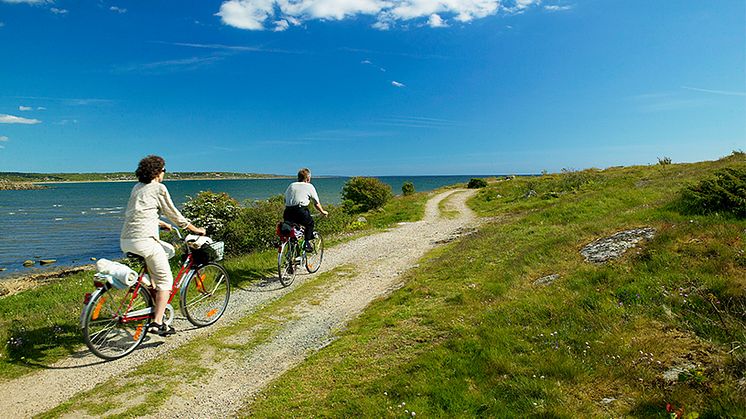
246,14
256,14
58,11
3,138
555,8
180,64
281,25
435,21
25,108
716,92
41,108
397,84
117,9
11,119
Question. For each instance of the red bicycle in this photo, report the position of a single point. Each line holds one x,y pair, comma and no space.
114,321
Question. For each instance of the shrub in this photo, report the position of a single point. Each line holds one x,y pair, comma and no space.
724,192
337,221
476,183
213,211
572,180
362,194
407,188
664,161
255,226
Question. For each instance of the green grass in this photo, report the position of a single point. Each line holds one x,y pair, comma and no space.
400,209
445,208
470,335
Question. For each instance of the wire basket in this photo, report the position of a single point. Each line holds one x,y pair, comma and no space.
209,252
218,248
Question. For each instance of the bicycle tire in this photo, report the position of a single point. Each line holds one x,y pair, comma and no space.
286,263
103,331
313,259
205,295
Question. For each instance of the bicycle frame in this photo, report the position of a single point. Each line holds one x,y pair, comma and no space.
187,268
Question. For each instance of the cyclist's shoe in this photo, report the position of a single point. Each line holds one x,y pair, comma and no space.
308,247
161,329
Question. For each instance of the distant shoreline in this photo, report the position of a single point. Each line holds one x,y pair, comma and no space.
54,182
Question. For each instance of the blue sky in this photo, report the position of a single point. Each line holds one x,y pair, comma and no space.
369,87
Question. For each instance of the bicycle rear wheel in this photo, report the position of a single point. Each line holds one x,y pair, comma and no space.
313,259
286,263
205,296
104,331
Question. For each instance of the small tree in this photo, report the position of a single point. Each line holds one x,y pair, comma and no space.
362,194
664,161
407,188
476,183
213,211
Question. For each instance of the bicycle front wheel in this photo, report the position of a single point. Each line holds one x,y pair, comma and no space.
313,259
108,328
204,297
286,263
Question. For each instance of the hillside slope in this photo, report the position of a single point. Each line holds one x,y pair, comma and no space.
514,322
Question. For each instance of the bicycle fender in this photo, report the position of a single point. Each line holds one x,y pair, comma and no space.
89,306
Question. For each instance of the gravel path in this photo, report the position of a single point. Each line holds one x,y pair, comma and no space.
379,259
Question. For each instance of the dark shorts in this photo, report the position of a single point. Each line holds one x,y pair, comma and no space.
300,215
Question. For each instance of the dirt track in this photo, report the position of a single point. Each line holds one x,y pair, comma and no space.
379,259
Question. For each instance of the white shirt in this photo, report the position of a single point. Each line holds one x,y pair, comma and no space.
300,193
146,203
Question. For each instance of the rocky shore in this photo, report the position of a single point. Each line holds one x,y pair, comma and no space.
18,186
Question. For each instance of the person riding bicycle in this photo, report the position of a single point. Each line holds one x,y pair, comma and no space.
297,198
148,200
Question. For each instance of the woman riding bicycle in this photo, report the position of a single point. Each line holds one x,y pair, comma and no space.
297,198
148,200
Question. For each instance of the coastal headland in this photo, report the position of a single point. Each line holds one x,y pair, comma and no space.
30,181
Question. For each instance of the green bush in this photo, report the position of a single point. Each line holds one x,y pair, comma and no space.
724,192
476,183
407,188
362,194
664,161
255,226
213,211
572,180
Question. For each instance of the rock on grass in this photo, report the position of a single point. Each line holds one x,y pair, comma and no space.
614,246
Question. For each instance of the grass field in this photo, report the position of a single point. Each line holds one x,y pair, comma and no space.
660,331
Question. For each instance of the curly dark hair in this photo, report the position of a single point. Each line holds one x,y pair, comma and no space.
149,168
